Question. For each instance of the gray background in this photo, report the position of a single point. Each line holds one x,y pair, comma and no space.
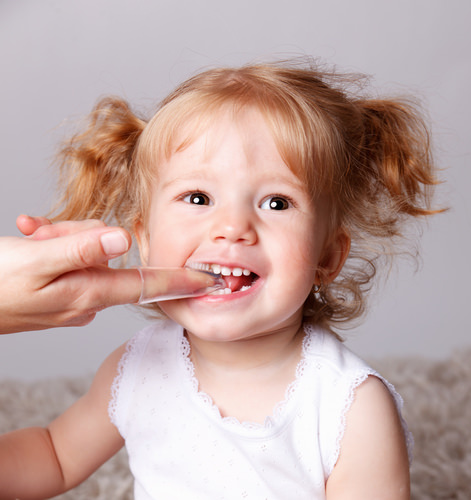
57,57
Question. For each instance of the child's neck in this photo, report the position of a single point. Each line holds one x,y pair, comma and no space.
246,379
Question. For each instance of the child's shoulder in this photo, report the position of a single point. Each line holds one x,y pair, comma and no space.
149,351
108,371
346,388
373,424
110,374
332,354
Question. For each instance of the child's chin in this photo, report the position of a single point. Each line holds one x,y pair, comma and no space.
215,334
217,331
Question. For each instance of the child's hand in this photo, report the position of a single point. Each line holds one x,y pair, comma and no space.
58,274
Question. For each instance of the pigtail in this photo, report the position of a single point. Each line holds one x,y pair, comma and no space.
97,178
398,169
386,181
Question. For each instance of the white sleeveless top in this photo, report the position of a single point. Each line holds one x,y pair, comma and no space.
181,448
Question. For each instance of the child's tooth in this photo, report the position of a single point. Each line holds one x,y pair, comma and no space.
216,268
225,271
202,267
237,271
222,291
246,272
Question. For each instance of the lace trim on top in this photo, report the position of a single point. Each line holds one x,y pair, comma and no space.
135,346
356,381
279,410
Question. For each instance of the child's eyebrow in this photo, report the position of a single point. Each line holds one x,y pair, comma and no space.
202,174
194,175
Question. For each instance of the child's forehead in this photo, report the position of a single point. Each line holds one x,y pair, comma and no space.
207,130
245,146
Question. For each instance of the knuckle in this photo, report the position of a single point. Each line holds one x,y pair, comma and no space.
82,295
83,253
88,291
75,298
45,232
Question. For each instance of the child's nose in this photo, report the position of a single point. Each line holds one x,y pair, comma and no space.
236,226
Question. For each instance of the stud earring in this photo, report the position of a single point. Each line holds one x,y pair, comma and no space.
317,288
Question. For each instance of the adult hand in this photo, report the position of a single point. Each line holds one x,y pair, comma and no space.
58,274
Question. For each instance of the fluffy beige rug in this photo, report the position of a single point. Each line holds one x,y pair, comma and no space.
438,410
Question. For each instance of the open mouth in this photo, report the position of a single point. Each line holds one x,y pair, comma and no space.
237,279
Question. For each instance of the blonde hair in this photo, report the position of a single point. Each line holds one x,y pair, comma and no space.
371,156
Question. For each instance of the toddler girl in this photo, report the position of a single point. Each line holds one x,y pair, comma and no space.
291,188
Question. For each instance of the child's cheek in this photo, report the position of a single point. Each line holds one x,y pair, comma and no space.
169,247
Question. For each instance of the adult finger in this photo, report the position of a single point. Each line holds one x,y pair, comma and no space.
93,289
173,283
41,228
118,286
28,225
64,228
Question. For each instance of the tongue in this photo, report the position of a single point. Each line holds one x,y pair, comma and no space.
235,283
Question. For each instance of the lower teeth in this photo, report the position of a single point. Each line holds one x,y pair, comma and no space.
227,291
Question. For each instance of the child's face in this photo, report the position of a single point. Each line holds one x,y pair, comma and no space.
229,200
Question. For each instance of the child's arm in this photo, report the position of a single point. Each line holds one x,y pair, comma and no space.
38,463
373,461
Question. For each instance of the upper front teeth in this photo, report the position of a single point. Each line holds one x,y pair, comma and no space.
224,270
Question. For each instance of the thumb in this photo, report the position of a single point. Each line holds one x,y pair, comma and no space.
83,249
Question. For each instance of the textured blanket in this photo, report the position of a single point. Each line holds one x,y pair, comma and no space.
437,409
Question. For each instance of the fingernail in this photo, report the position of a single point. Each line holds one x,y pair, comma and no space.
114,243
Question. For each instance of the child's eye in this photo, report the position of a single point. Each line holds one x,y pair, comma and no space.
197,199
275,203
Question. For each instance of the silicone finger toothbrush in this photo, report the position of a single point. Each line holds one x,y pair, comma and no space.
159,283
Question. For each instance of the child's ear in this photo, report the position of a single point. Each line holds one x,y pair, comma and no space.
142,239
334,256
